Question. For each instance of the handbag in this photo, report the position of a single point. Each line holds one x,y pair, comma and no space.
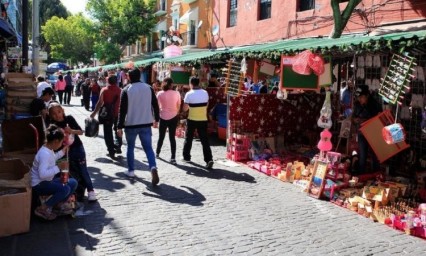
106,113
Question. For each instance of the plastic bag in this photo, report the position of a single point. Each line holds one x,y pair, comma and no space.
301,63
316,63
91,127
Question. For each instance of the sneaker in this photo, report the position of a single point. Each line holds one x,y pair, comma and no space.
210,164
91,196
186,160
118,150
173,161
45,213
155,178
157,155
130,174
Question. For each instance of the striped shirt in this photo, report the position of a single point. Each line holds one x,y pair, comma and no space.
197,99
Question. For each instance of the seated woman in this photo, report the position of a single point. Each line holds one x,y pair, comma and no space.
43,173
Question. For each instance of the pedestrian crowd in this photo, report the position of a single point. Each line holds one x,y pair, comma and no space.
125,107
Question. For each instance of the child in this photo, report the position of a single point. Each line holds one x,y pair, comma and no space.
45,168
76,153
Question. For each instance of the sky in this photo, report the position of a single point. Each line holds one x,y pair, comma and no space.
74,6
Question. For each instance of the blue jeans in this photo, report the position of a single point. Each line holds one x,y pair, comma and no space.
77,158
145,135
94,100
60,192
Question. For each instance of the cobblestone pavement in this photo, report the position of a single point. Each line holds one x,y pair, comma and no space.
225,211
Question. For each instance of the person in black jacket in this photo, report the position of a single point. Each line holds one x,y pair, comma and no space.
365,108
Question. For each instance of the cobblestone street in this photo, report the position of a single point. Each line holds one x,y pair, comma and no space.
225,211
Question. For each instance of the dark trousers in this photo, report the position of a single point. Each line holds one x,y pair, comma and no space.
109,136
171,124
60,95
363,149
67,95
201,127
86,100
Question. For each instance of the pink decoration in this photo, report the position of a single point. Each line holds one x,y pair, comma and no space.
325,143
300,64
306,62
172,51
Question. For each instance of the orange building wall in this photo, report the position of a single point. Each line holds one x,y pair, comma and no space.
285,22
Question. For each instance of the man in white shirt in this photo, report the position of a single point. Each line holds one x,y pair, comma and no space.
42,84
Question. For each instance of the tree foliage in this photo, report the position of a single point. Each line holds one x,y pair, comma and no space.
71,39
123,22
341,18
107,52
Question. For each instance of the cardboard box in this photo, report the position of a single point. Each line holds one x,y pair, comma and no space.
15,210
14,174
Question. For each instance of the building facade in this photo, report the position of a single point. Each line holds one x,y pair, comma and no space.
186,23
246,22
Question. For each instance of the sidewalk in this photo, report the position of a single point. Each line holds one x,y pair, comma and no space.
229,210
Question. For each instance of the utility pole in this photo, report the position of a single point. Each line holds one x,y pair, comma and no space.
36,36
25,32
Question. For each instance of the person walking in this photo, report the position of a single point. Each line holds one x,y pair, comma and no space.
196,101
137,106
169,102
60,88
110,95
85,93
68,88
95,90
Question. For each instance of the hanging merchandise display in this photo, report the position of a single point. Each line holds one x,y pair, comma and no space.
234,77
397,77
325,118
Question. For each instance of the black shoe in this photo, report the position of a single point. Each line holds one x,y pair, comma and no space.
186,160
118,150
173,161
111,155
157,155
209,165
155,179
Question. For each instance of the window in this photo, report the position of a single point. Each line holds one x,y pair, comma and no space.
265,9
192,32
162,42
233,4
305,5
162,5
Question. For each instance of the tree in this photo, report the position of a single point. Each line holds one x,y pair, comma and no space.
122,22
71,39
341,18
107,52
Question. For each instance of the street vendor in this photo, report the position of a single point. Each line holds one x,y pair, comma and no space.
365,108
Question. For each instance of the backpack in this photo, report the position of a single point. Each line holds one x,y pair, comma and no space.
91,128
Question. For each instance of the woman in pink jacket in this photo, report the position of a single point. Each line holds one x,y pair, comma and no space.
60,87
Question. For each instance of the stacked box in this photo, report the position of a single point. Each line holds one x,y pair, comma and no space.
21,90
15,197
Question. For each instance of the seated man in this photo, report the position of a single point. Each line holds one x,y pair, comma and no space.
38,107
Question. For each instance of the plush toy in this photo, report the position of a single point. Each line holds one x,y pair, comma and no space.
325,144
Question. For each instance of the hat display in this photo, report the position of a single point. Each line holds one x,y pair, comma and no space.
362,90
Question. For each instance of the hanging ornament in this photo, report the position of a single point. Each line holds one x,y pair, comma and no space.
325,115
244,66
393,133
